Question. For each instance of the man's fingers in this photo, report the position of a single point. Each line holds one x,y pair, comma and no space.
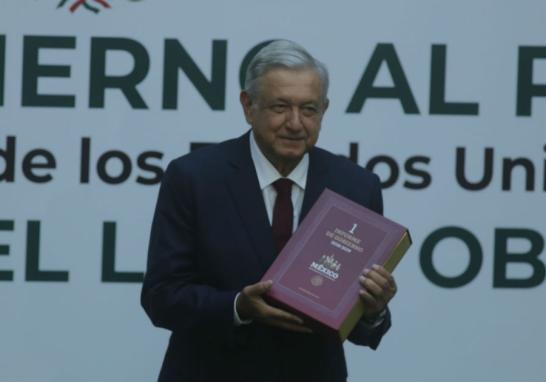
371,286
378,288
258,289
261,311
368,299
386,275
282,319
272,313
379,281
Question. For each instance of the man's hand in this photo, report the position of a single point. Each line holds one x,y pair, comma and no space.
378,287
251,306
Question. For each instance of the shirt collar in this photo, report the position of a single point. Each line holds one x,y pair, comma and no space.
267,173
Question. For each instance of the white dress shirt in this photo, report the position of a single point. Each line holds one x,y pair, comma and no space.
268,174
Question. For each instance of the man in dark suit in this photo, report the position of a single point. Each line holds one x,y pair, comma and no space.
220,222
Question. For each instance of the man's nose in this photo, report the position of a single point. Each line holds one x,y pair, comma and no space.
294,116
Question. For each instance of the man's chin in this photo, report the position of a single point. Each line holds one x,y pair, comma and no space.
292,148
291,154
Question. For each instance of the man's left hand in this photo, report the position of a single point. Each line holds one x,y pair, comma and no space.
378,288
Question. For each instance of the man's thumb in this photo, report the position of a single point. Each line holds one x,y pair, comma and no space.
259,288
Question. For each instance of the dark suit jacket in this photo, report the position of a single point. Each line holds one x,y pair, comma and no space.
210,238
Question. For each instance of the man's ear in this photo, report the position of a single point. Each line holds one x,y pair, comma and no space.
246,103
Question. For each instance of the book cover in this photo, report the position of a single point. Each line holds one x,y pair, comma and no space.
316,274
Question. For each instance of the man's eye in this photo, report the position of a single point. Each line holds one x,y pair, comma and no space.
309,111
279,108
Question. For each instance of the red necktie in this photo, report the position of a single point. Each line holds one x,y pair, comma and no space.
283,213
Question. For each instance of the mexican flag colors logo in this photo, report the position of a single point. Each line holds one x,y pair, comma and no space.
94,6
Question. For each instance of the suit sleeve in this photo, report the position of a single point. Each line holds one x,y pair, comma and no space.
363,334
175,294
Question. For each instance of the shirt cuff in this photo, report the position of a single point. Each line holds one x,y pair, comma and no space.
236,319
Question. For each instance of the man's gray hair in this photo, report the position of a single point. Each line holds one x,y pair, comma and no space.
283,54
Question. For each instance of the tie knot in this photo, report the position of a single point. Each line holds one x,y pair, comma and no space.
283,186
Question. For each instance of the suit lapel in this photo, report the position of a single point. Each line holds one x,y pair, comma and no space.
247,196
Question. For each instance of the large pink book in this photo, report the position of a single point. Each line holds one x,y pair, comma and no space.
316,273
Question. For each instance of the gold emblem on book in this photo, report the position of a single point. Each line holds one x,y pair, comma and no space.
317,280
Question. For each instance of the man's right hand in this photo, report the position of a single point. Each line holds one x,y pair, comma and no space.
252,306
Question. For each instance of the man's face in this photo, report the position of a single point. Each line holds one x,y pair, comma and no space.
286,115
